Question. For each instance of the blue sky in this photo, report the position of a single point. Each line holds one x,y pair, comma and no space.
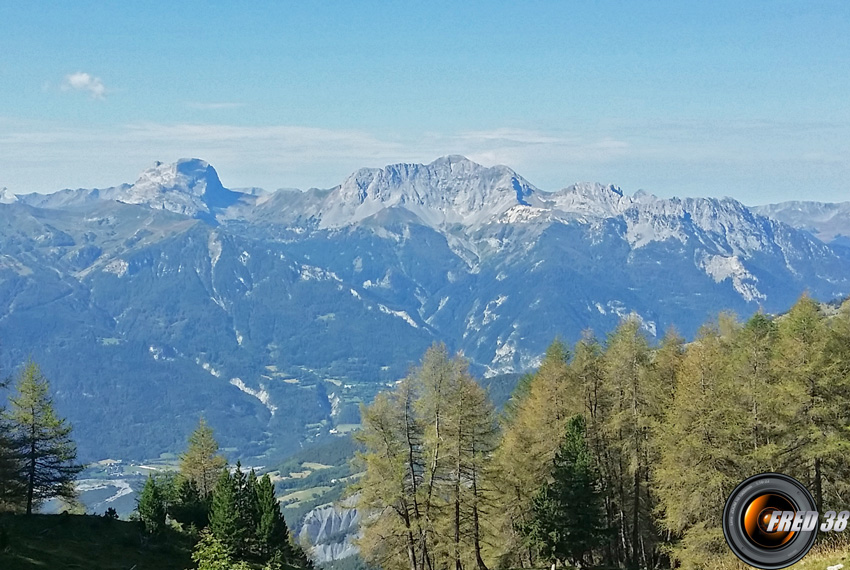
678,98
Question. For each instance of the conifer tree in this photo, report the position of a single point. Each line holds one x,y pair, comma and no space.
391,484
816,408
12,482
151,507
188,508
837,485
211,554
626,366
588,366
225,523
751,370
702,428
532,430
45,449
470,434
568,520
201,462
426,445
243,487
271,530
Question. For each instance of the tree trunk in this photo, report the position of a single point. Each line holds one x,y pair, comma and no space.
818,485
458,565
476,527
636,520
31,470
411,547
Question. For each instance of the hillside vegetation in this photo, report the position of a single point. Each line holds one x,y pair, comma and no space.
87,542
614,453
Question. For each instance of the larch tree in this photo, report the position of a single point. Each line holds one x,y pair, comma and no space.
201,462
530,437
588,367
837,484
425,492
814,388
470,435
47,454
390,490
752,371
700,451
626,365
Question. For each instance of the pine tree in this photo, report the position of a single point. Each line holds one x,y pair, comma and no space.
151,507
271,531
225,523
201,462
189,509
245,508
44,445
12,481
568,520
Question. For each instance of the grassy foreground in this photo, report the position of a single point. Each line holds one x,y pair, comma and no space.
821,557
46,542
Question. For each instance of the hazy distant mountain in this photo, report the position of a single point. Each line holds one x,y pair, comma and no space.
275,314
190,187
829,222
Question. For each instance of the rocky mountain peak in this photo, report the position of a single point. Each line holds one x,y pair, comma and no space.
450,190
188,175
189,186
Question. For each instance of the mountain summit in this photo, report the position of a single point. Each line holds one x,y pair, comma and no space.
450,190
189,186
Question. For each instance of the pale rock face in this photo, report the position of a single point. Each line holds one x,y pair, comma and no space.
188,187
7,197
590,199
340,522
450,190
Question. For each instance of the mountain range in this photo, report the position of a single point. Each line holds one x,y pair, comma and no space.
274,314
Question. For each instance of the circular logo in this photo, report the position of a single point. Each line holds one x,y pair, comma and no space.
762,521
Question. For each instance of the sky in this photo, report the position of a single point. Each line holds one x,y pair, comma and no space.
680,98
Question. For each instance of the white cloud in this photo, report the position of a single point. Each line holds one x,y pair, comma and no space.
81,81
